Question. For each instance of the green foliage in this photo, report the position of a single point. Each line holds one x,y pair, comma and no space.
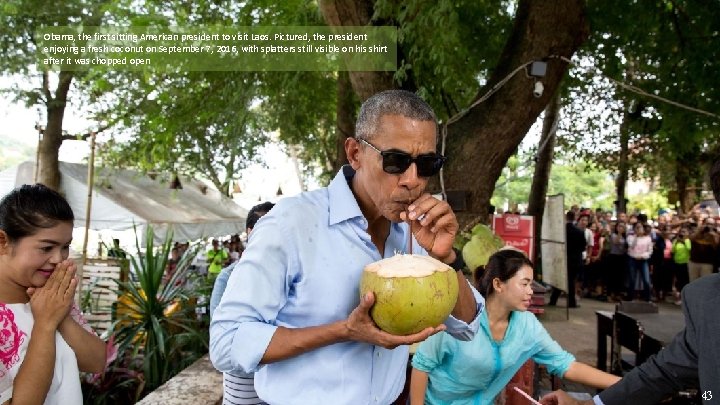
197,123
301,107
88,300
649,203
19,19
582,183
666,48
13,153
120,383
212,124
156,317
433,38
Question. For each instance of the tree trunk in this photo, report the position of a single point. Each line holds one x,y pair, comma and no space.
692,196
49,147
541,177
632,114
681,182
688,178
345,122
357,13
480,143
293,149
623,165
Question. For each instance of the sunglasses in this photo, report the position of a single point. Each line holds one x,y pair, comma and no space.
428,164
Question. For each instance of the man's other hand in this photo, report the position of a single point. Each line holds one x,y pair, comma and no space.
562,398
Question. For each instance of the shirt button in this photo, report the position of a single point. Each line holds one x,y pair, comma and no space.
379,354
377,399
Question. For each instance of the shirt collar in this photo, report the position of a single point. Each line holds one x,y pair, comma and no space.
485,325
343,205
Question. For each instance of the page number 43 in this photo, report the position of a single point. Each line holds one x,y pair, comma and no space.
707,395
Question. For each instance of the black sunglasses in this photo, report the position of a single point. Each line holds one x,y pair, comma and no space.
397,162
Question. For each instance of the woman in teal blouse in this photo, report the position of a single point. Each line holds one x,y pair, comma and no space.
448,371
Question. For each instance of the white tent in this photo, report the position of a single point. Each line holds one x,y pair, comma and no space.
123,198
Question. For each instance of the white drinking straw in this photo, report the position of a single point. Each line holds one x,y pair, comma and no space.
526,396
408,249
409,240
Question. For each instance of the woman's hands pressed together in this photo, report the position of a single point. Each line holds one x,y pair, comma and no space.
51,303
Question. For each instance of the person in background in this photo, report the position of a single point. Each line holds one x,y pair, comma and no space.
172,263
649,230
681,256
234,253
662,263
583,276
631,222
576,245
116,251
576,211
216,258
622,217
44,339
617,261
603,266
640,248
238,386
703,252
594,278
254,215
607,218
293,309
452,372
691,360
583,223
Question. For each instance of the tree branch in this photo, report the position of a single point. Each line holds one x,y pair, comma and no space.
64,80
79,137
46,87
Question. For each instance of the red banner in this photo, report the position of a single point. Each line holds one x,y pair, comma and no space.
517,231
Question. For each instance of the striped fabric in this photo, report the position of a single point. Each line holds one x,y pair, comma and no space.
239,389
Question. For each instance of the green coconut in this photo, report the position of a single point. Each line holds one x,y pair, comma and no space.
481,246
411,292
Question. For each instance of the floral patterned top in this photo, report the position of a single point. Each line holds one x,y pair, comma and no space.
16,323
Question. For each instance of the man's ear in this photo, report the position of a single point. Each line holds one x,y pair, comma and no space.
352,150
4,243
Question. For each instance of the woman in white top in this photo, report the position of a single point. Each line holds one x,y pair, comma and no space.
640,248
44,342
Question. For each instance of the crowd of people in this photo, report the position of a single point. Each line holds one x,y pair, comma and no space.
630,253
220,255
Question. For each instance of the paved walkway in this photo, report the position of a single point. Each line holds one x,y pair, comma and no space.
578,334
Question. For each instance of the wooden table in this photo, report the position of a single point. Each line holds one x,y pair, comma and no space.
661,327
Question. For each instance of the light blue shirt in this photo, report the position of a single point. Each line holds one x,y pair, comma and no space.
302,268
235,383
219,287
475,372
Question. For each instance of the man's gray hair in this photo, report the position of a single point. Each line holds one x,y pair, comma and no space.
390,102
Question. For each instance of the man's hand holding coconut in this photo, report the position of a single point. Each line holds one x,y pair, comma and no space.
415,293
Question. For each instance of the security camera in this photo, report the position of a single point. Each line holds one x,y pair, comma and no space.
538,89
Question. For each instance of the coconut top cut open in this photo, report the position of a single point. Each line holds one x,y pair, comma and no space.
402,265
